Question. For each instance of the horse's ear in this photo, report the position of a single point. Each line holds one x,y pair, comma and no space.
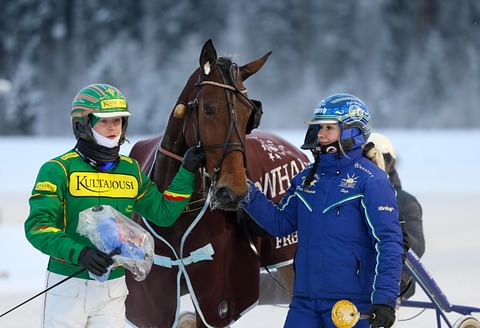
208,57
251,68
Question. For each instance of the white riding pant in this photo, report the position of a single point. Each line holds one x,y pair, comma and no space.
80,303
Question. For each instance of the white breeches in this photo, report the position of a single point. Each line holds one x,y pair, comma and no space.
80,303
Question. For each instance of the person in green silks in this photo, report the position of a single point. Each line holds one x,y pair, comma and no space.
94,173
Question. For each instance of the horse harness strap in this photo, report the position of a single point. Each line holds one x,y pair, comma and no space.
227,146
190,207
221,85
169,153
202,254
255,116
228,84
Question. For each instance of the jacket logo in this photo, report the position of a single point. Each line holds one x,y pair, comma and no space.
349,181
97,184
69,155
45,186
360,167
385,208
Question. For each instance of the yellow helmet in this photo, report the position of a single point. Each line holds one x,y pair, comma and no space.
383,144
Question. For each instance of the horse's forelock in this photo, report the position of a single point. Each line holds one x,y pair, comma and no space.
224,62
228,67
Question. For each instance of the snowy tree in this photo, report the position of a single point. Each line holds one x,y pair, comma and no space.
401,57
23,101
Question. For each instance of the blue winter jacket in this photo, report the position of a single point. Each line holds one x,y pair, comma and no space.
349,236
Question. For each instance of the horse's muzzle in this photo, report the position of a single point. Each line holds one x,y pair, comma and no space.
226,199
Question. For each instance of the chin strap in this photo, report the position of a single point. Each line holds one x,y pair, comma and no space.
330,148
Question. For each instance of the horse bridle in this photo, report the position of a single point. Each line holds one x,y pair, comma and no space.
253,121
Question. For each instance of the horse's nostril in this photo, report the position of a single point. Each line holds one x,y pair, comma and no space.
225,195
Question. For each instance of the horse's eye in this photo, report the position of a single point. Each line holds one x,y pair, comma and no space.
208,109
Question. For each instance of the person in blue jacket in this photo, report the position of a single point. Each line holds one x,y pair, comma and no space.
344,209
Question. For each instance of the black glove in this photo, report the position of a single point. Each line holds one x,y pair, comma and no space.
193,158
382,316
94,261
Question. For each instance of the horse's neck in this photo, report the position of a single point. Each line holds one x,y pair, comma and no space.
164,170
166,166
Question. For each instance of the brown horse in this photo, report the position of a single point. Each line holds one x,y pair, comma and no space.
210,252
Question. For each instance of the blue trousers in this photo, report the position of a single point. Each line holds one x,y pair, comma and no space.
317,313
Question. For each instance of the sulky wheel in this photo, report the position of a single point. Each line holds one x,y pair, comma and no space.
467,321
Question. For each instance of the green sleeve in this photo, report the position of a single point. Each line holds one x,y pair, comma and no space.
44,226
164,209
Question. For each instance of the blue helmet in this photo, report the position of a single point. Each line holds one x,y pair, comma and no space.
350,112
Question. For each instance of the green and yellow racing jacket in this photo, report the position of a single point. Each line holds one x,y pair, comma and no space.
67,185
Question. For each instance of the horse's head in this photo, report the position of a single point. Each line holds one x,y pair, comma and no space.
217,115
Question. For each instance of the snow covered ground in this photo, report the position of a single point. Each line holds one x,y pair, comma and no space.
439,167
